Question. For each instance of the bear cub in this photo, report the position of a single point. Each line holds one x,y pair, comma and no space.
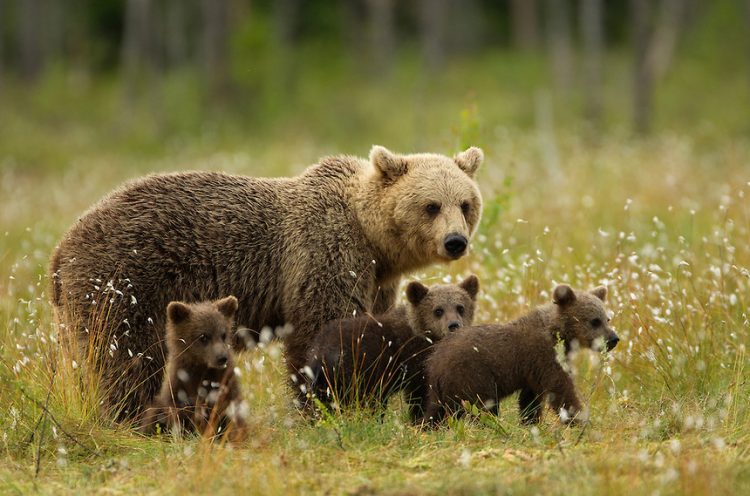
363,361
484,364
200,392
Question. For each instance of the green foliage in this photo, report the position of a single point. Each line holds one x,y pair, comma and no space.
468,131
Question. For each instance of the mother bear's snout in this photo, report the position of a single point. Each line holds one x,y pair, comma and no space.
455,244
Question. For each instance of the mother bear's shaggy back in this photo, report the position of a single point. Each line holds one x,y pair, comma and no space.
299,251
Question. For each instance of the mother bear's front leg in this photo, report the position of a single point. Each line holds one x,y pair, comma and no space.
314,302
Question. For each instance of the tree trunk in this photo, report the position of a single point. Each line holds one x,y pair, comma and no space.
2,46
31,55
54,25
665,37
380,34
176,32
525,25
747,26
286,17
591,19
77,53
352,15
216,47
559,41
432,23
644,77
136,44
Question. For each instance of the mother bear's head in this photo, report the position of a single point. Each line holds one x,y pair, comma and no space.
429,204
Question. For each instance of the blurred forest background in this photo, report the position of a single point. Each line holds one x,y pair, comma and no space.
617,147
151,76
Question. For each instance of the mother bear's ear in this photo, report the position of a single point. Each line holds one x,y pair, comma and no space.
469,160
390,165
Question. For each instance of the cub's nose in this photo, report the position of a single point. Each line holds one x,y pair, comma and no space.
454,326
222,360
612,341
455,244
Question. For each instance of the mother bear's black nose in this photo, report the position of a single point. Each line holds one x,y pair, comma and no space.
455,244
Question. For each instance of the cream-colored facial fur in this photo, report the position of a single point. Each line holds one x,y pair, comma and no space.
429,202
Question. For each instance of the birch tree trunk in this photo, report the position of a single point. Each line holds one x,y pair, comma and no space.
525,24
215,44
432,23
381,33
643,73
560,44
31,56
592,34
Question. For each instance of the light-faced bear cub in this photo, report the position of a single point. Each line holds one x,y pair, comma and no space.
200,392
363,361
482,365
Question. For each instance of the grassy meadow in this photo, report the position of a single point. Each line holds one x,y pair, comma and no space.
663,221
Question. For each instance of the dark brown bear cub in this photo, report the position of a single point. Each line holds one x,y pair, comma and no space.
200,392
484,364
363,361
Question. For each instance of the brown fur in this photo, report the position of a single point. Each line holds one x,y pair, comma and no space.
298,251
365,360
484,364
200,384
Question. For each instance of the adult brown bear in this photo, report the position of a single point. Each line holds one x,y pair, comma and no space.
299,251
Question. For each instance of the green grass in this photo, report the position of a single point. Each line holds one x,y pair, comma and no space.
664,222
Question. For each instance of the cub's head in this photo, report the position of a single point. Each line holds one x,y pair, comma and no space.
431,202
584,318
199,334
435,311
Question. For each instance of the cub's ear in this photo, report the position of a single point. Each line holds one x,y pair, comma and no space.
563,295
471,286
469,160
415,292
600,292
390,165
227,306
177,312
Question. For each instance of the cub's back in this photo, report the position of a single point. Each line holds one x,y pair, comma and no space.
486,350
341,339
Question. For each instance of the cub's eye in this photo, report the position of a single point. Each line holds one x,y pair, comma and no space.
596,322
432,208
204,338
460,309
224,336
438,312
465,207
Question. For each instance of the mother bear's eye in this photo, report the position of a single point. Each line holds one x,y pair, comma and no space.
596,322
465,207
432,208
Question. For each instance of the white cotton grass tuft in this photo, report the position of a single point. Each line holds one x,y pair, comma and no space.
464,460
